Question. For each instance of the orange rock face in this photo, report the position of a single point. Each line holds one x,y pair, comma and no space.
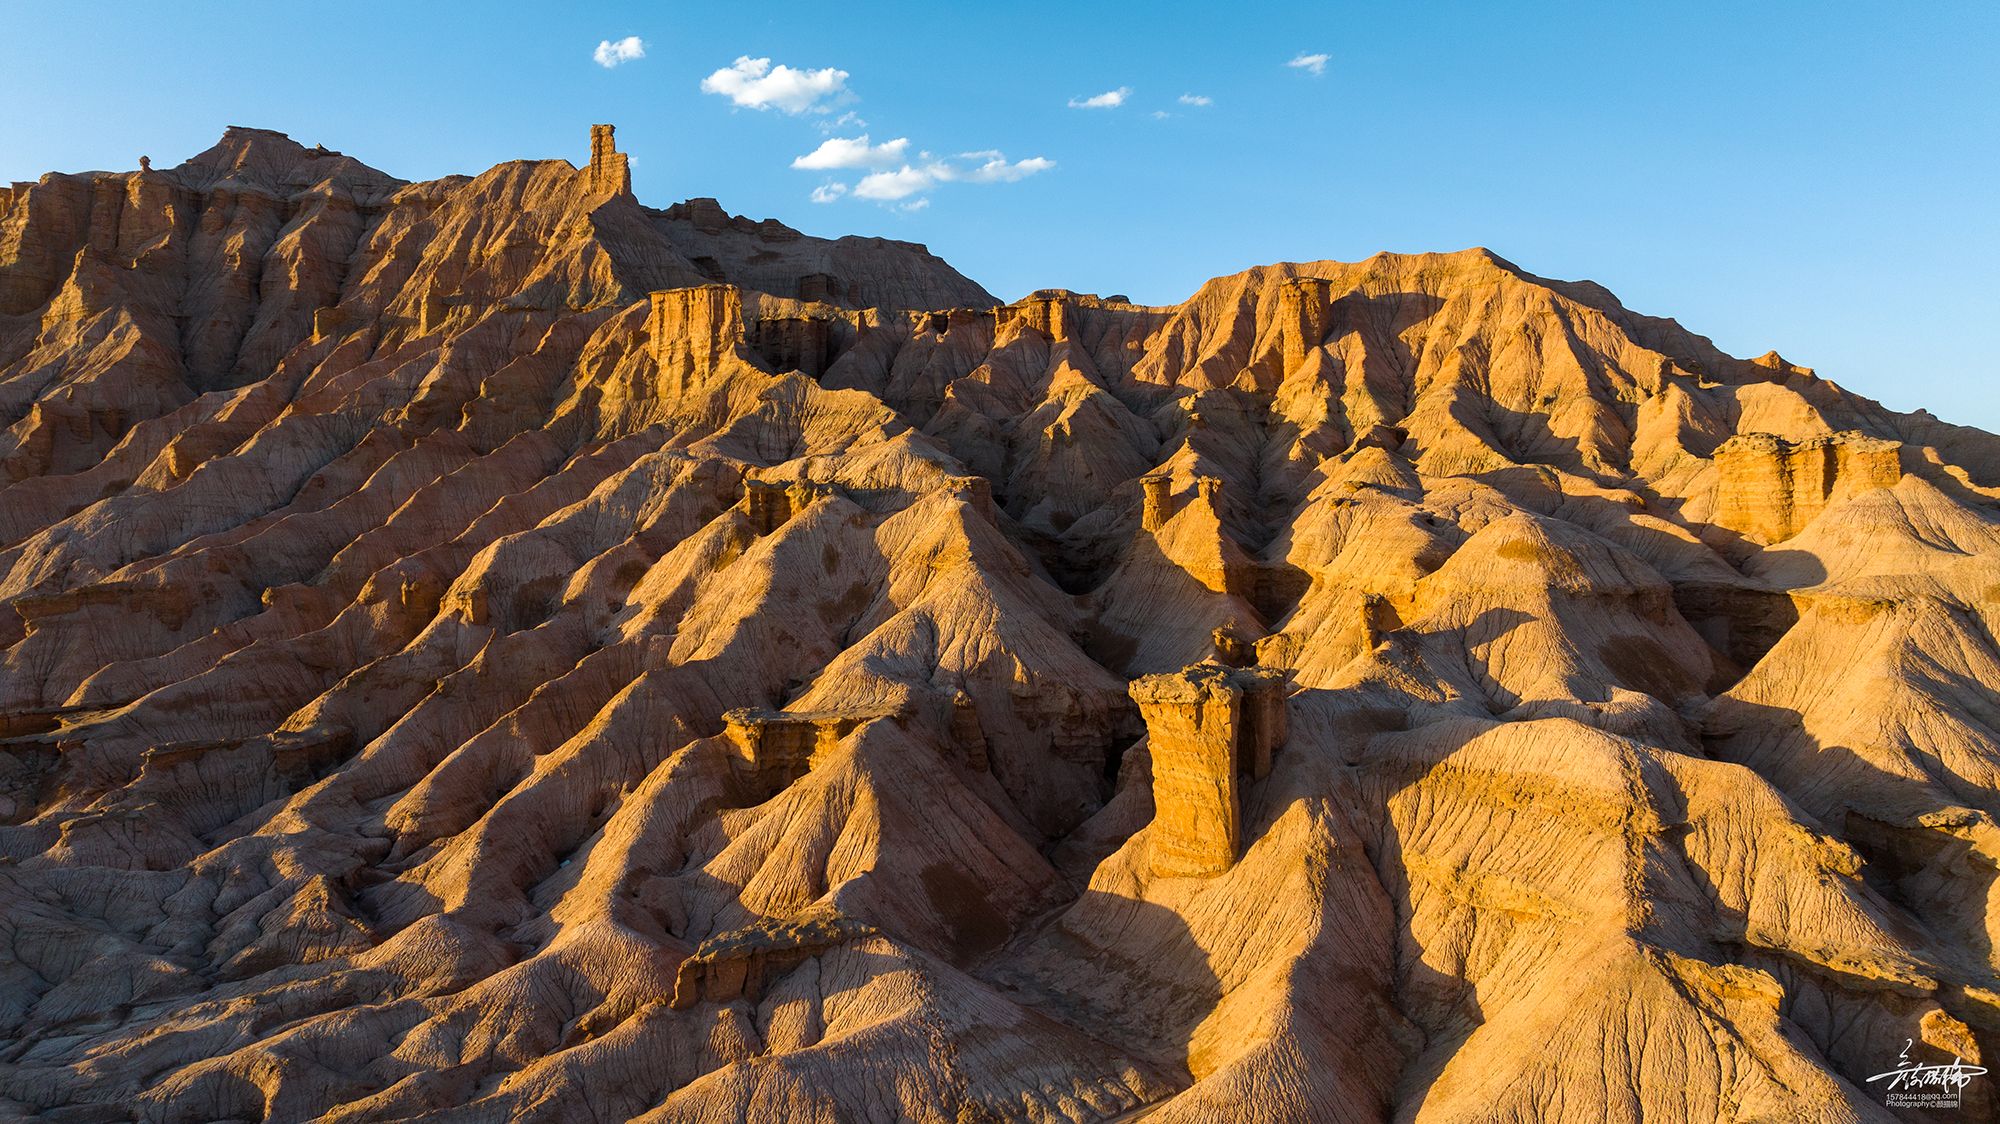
490,649
1209,732
1771,488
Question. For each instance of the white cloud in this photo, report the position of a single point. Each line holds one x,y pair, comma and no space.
1161,115
901,183
1197,99
610,53
828,192
916,179
856,152
1109,99
1314,63
997,170
915,205
756,84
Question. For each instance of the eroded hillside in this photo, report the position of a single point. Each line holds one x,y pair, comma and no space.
487,649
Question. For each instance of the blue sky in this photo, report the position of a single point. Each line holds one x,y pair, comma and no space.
1818,178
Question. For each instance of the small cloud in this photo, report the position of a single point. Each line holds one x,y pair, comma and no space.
900,184
610,53
1315,64
1109,99
997,170
914,205
828,192
1197,99
915,179
1161,115
856,152
756,84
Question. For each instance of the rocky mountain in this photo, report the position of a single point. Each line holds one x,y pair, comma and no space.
487,649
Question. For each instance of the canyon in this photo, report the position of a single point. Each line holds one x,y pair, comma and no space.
488,649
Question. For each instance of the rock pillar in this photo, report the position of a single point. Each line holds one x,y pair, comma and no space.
1210,729
1305,307
609,172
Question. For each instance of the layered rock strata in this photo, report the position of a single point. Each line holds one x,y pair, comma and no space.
1209,731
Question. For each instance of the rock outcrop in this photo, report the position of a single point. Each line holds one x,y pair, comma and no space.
1209,731
610,170
1304,305
489,649
773,748
740,964
1771,488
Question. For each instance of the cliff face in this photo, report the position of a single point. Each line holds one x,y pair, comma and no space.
1771,488
489,649
1209,733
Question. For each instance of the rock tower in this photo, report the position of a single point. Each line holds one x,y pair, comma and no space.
1208,727
610,172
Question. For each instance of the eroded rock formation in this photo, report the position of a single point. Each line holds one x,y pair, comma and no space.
1209,730
1771,488
610,170
490,649
740,963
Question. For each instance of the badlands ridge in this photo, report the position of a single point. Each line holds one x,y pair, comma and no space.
487,649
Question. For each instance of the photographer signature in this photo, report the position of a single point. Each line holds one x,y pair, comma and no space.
1953,1075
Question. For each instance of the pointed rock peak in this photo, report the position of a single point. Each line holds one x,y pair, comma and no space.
1484,258
1522,553
1773,361
269,159
1372,465
244,144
